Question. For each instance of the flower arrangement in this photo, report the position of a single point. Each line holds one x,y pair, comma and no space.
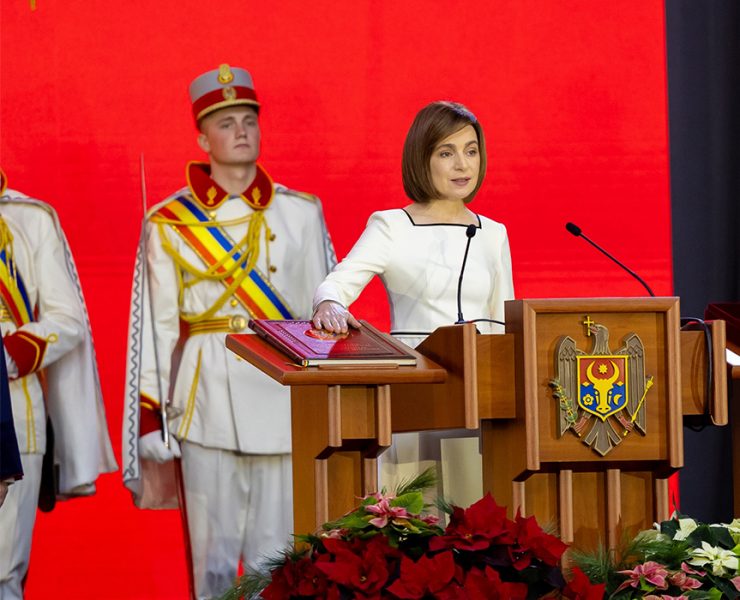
389,548
678,559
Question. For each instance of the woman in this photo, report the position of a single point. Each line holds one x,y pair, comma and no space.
417,251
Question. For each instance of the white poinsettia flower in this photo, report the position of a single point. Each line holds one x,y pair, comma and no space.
685,527
721,561
649,535
734,529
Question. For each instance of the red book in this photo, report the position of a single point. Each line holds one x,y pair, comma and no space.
311,347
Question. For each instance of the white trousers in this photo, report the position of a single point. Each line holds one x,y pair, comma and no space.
239,507
17,516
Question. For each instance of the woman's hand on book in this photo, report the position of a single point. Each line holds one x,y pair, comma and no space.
333,317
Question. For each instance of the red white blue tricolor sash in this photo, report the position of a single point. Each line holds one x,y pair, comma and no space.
217,250
13,291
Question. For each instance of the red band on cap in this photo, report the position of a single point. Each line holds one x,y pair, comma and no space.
242,95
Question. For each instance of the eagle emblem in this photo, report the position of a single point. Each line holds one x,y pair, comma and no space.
601,395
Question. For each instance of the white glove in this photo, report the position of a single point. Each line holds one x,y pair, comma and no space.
151,447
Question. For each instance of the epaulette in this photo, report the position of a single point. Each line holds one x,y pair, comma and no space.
303,195
15,196
20,198
152,211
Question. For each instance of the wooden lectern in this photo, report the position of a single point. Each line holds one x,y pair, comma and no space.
341,422
730,313
533,460
587,473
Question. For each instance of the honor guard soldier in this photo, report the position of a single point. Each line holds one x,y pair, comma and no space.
230,246
45,327
11,469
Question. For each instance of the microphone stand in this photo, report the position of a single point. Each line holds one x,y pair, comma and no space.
470,233
576,231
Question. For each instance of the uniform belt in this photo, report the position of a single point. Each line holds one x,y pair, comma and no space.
231,324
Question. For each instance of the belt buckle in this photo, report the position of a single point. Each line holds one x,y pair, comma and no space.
237,323
4,314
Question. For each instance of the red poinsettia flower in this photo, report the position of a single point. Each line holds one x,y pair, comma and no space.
300,578
428,575
486,584
581,588
454,591
476,528
279,586
333,593
532,542
358,565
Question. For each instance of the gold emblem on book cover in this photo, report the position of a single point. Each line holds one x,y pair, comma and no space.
601,395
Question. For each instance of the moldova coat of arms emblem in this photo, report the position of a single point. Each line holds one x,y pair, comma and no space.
603,392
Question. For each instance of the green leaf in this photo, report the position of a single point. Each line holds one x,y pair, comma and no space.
413,502
669,527
724,586
714,536
714,594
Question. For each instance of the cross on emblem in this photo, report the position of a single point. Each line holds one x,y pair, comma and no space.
588,322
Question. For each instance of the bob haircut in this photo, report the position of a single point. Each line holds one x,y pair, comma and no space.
432,124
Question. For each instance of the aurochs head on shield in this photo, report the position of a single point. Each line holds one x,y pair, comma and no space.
602,384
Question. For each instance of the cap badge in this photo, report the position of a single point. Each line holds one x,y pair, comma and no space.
224,74
229,93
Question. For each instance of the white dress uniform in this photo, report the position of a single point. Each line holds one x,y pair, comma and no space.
57,339
419,266
233,421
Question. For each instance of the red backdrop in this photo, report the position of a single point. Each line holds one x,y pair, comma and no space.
572,95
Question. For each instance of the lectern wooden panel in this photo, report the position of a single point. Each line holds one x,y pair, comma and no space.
592,495
529,462
341,421
729,312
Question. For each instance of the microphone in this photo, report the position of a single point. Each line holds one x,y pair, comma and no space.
470,232
576,231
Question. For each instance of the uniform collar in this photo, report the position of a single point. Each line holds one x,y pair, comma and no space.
211,195
3,182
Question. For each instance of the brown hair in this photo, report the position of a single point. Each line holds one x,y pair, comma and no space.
432,124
